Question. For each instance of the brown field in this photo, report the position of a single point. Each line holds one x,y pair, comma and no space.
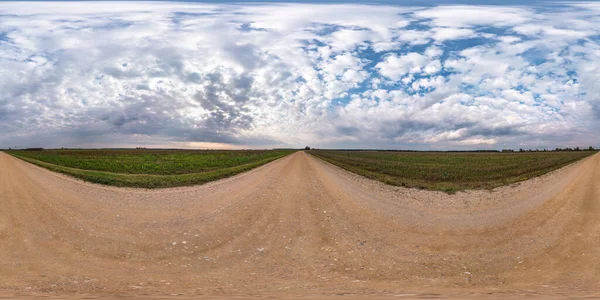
450,171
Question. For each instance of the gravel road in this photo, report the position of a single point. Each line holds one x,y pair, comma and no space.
298,227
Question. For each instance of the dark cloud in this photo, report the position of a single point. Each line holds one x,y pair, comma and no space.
596,108
247,55
348,130
493,132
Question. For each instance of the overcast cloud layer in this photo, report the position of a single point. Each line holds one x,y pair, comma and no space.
103,74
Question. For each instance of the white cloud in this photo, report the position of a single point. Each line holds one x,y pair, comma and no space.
536,29
395,67
514,95
467,16
386,46
434,51
443,34
415,37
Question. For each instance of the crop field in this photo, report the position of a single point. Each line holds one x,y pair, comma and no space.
449,171
150,168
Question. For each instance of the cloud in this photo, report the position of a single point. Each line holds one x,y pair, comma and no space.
443,34
395,67
268,75
470,16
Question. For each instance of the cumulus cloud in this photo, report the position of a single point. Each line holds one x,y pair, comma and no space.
441,34
269,75
472,16
395,67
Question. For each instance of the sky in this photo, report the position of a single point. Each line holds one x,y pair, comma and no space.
448,75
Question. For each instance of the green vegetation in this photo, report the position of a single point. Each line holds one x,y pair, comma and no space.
150,168
449,171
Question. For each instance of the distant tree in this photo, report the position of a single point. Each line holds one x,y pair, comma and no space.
307,148
591,148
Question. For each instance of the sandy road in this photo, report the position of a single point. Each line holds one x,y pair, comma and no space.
298,226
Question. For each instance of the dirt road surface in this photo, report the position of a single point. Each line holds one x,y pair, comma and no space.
298,227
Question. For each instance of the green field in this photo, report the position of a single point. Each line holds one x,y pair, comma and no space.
449,171
150,168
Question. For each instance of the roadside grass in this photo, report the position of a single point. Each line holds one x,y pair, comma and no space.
449,171
144,168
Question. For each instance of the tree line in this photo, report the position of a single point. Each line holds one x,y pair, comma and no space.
590,148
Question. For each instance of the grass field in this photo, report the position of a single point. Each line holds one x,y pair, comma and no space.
449,171
150,168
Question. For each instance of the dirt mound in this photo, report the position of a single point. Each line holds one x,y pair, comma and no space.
298,226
